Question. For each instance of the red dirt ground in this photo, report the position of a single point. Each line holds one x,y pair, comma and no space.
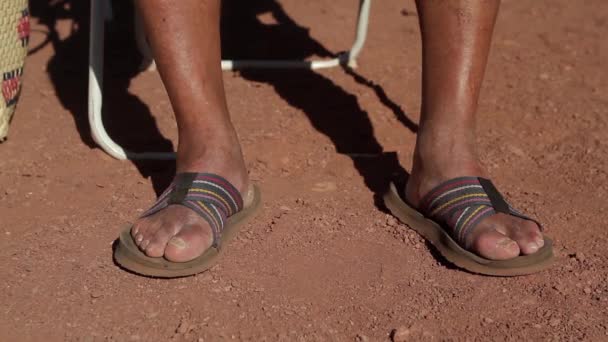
322,262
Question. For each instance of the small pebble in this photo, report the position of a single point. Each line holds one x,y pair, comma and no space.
361,338
391,221
400,334
96,294
183,327
325,187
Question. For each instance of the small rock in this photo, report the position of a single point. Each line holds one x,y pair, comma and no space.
488,320
537,326
516,151
554,322
361,338
96,294
152,315
325,187
587,290
183,327
580,257
285,208
400,334
391,221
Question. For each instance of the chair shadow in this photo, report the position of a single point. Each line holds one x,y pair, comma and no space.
244,35
127,119
327,105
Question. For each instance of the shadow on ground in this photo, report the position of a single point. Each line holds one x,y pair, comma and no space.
244,35
127,119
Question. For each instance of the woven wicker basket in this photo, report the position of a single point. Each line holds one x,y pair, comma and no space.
14,35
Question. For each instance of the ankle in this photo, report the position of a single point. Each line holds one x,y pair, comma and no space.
439,148
441,154
216,152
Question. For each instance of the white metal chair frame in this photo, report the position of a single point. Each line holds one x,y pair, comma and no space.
101,12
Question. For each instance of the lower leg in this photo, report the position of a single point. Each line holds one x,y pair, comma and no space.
456,38
185,40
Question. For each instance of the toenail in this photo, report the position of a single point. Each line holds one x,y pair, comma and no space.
139,238
506,243
179,243
145,244
533,246
540,241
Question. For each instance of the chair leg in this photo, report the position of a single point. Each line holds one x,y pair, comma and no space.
98,131
99,14
361,35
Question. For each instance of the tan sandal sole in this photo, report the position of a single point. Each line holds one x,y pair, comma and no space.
450,250
130,257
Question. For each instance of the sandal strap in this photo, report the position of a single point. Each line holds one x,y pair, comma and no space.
211,196
461,203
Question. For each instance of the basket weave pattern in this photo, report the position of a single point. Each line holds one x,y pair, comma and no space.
14,36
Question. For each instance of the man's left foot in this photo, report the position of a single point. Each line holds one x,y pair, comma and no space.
438,159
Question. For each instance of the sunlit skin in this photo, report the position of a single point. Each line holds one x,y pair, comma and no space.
456,35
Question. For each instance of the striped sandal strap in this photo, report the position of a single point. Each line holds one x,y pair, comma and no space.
210,196
461,203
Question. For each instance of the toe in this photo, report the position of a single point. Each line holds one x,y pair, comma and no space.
139,232
160,238
136,229
527,235
189,243
494,245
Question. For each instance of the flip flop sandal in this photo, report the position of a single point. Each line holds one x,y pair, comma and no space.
462,203
215,200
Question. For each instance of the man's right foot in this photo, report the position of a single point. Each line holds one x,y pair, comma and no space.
177,232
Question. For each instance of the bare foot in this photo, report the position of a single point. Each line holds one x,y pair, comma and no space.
177,232
441,157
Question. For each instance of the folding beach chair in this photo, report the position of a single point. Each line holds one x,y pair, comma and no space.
101,12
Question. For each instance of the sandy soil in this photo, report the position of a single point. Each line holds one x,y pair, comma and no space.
323,261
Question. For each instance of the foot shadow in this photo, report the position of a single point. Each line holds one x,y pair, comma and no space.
327,105
127,119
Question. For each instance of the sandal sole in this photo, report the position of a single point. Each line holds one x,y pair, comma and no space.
458,256
131,258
